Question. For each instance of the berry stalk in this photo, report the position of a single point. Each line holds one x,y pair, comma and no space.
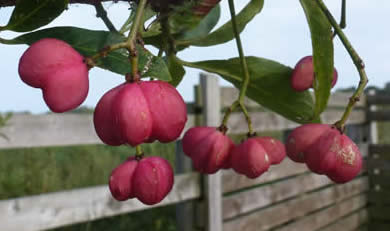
244,68
131,41
356,60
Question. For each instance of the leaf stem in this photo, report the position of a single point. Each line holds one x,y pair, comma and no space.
102,13
243,65
356,60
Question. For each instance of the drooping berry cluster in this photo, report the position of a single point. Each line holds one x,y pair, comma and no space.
211,150
132,113
325,150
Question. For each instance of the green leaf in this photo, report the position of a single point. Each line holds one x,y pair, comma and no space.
29,15
204,27
89,42
322,42
225,33
176,69
269,85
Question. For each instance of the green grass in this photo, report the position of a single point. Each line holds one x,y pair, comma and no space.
40,170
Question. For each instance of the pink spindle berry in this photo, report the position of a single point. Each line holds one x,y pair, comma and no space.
301,138
208,148
303,75
275,149
335,155
139,112
321,156
149,180
59,70
120,183
153,180
167,108
250,158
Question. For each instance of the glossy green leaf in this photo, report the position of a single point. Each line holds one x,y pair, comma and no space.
89,42
176,69
225,33
322,42
269,85
29,15
204,27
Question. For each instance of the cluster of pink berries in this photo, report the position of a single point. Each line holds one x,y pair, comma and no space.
325,150
211,150
131,113
144,111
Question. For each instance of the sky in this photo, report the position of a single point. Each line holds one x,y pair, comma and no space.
279,32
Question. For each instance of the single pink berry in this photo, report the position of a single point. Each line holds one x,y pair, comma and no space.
120,183
208,148
250,158
105,124
140,112
168,110
131,113
152,180
321,156
59,70
275,149
348,161
301,138
303,75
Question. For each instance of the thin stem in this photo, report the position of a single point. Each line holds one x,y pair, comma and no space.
131,41
102,13
243,64
343,20
356,60
138,152
228,112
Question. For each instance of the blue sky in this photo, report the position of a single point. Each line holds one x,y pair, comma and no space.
280,32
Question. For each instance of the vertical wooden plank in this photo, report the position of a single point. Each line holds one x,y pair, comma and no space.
184,210
372,125
212,183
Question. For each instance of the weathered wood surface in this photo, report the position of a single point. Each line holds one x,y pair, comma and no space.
380,212
339,99
324,217
379,197
69,207
377,226
378,99
269,194
349,223
53,130
212,183
298,207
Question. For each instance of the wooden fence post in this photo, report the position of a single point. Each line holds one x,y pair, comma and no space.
212,183
184,210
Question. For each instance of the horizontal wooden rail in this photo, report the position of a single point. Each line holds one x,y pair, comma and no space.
77,129
298,207
378,99
379,115
52,210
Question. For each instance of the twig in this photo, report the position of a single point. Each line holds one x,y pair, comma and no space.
244,66
102,13
356,60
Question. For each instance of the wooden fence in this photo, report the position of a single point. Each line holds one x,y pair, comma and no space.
379,168
287,197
